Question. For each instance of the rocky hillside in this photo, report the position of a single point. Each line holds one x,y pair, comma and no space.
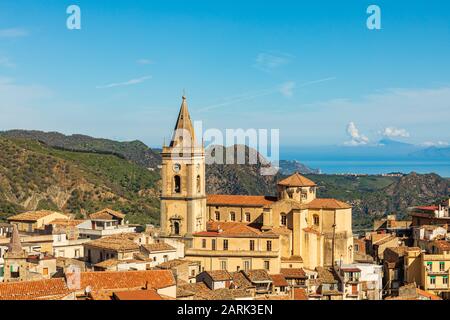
234,178
376,196
35,176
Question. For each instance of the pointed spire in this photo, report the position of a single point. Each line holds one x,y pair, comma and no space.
183,128
15,246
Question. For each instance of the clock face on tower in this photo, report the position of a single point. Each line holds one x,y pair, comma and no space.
176,167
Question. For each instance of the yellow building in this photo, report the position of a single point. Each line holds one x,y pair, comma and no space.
430,271
235,232
35,221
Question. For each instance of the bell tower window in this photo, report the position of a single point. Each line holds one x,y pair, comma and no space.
176,228
177,184
198,184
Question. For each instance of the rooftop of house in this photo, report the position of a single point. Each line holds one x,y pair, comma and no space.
106,214
219,275
327,275
158,247
293,273
300,294
239,200
278,280
175,263
149,279
33,290
191,289
385,240
240,281
349,269
66,223
118,242
296,180
324,203
222,294
32,216
233,229
442,244
256,276
410,292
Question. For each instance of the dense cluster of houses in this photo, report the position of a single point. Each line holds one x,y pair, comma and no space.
48,255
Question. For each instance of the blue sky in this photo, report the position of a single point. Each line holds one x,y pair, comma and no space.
309,68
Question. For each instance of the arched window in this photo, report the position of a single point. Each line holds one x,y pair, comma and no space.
217,215
177,184
232,216
198,184
247,217
283,219
316,219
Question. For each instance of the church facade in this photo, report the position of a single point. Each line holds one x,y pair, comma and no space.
234,232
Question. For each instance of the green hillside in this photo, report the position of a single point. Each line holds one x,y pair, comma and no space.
35,176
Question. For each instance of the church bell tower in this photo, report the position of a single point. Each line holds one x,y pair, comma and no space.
183,196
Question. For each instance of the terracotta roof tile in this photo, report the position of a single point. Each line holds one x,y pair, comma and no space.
278,280
293,273
118,242
239,200
32,215
322,203
101,280
66,223
326,275
297,180
219,275
174,263
233,229
106,214
240,281
258,276
30,290
300,294
442,244
158,246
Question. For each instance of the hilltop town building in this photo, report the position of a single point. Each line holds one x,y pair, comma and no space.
229,232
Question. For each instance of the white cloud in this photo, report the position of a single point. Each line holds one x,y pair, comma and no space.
266,61
13,33
125,83
286,89
357,138
144,61
435,144
392,132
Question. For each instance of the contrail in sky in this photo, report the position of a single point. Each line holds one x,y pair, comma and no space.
256,94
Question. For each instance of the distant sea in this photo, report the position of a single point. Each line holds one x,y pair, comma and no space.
379,167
